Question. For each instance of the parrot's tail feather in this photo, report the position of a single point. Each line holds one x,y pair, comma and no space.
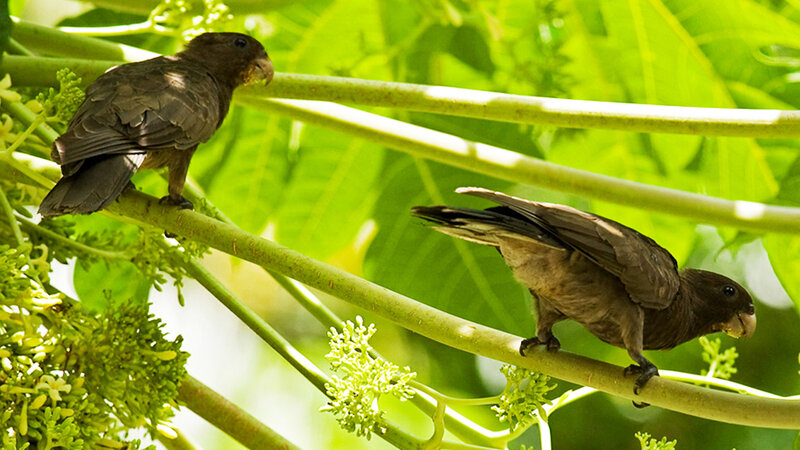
486,226
97,183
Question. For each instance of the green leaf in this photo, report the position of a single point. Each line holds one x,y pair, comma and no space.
244,167
5,26
329,37
469,46
330,195
459,277
101,285
790,184
783,250
734,36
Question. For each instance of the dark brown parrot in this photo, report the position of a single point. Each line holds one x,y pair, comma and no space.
619,284
148,115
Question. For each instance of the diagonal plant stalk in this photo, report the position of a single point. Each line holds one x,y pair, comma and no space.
535,110
456,332
453,331
511,166
51,41
235,422
304,366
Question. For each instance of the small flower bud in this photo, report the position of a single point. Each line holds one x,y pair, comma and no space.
38,401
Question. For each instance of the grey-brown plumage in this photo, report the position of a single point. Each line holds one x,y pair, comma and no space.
616,282
148,115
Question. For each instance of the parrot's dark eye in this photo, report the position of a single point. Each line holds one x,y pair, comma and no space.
240,42
729,290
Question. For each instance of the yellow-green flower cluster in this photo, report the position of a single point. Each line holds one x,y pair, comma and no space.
59,105
523,396
720,364
652,444
68,378
190,17
365,378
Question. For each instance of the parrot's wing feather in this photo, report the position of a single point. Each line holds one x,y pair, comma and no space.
153,105
648,271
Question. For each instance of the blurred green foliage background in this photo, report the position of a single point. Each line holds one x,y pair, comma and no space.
346,201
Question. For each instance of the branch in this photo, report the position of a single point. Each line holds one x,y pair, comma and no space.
51,41
508,165
253,321
228,417
455,332
757,123
41,71
448,329
388,431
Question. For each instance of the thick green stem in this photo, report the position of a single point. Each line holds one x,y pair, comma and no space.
725,384
8,211
44,232
302,364
51,41
253,321
507,165
536,110
228,417
456,332
41,71
28,117
306,298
